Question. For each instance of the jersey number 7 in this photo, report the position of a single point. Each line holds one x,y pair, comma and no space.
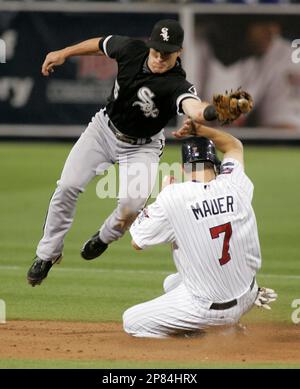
215,233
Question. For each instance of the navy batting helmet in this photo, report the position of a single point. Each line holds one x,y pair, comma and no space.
199,149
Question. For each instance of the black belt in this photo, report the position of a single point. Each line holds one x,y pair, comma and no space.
126,138
228,304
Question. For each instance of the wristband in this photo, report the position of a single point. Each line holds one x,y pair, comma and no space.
210,113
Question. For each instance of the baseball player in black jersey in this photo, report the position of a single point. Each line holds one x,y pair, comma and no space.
149,90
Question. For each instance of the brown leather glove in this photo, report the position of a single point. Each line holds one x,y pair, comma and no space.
231,105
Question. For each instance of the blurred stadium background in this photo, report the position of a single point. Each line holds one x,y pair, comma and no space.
227,44
34,109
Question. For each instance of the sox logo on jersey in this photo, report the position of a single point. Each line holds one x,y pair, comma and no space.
146,104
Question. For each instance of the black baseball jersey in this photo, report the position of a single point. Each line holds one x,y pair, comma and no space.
142,102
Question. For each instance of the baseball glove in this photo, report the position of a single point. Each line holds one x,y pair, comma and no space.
231,105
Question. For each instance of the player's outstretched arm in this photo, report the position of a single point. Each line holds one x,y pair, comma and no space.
56,58
225,108
230,146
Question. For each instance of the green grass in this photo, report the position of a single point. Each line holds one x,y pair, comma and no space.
101,290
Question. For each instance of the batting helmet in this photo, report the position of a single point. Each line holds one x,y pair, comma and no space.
199,149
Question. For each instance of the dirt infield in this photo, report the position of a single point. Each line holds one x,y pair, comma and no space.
107,341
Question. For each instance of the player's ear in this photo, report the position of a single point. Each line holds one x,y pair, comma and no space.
179,52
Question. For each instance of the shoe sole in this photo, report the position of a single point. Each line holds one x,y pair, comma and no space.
33,281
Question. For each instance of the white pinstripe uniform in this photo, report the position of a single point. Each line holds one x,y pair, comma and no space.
213,231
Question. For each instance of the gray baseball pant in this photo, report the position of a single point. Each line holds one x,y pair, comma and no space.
96,150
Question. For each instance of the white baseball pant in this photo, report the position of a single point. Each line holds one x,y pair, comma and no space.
177,312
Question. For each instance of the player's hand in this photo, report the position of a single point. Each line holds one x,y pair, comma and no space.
189,128
55,58
265,296
186,129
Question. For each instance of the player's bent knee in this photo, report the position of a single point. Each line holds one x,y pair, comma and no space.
69,187
171,282
132,206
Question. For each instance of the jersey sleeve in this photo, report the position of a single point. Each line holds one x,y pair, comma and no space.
113,45
184,91
152,227
233,171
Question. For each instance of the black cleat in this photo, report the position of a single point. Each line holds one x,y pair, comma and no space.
93,248
39,270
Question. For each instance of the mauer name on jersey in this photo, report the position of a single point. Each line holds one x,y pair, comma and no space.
213,207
